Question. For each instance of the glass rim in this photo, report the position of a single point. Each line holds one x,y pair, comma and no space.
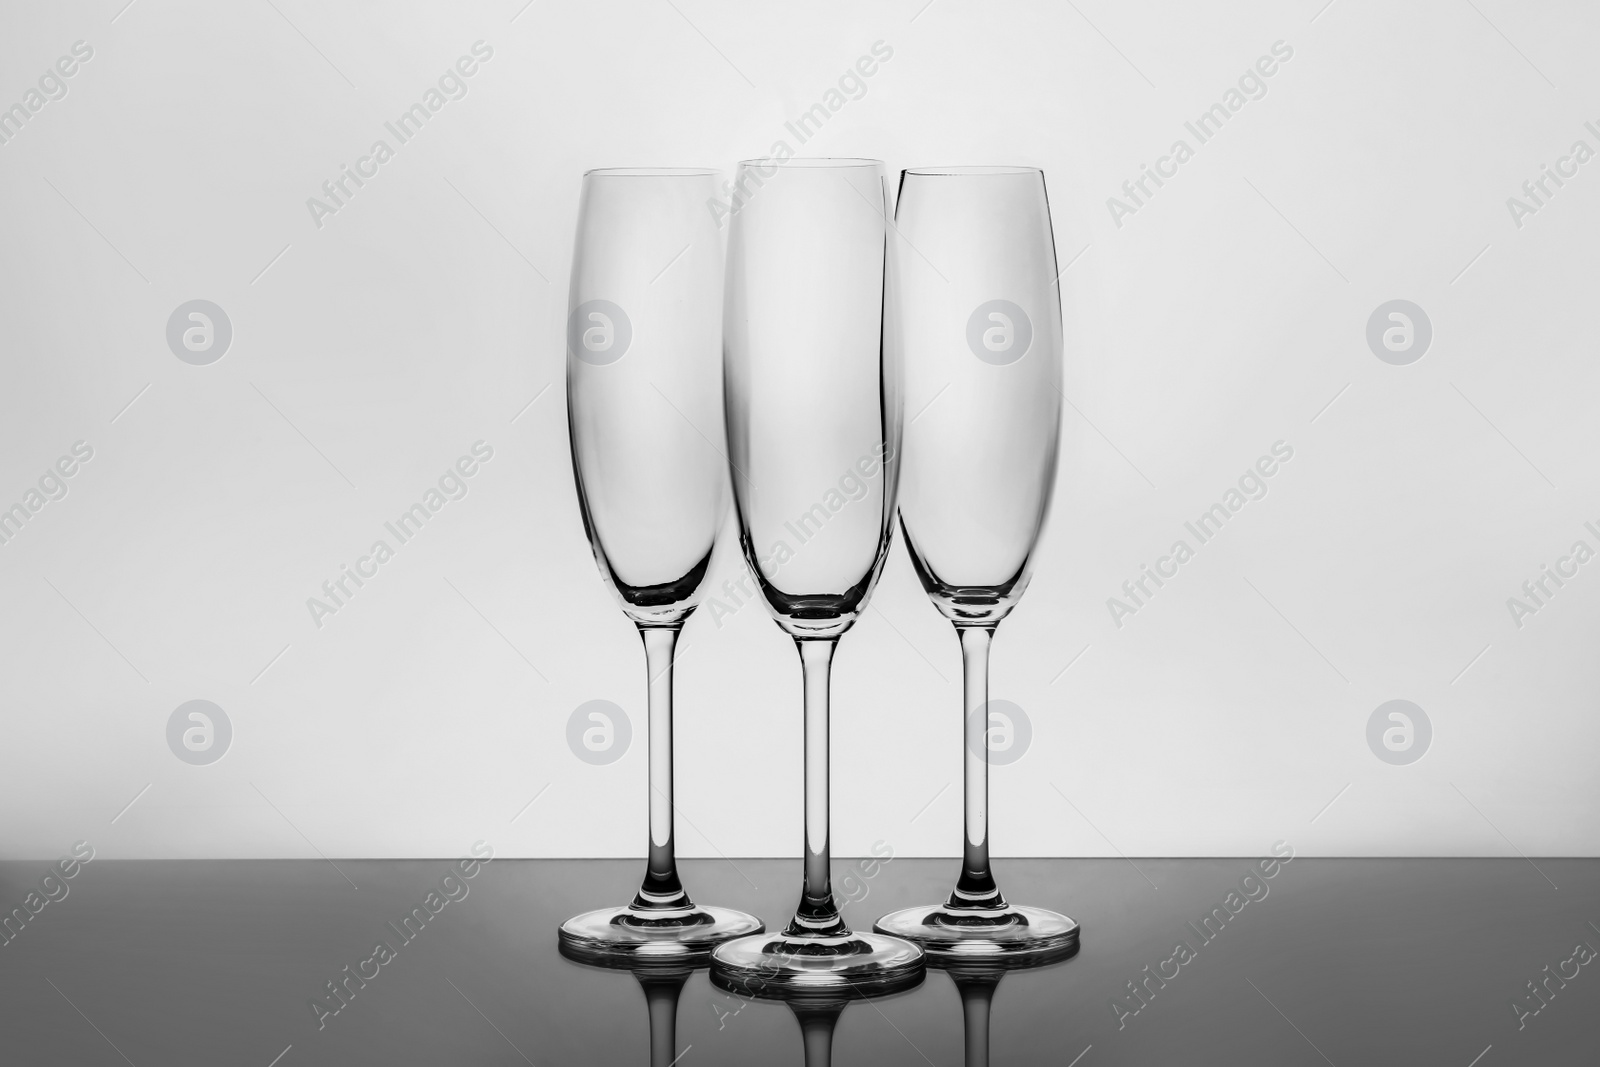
813,162
651,172
971,171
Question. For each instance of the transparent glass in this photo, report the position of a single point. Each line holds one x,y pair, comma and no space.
644,410
978,317
818,1010
813,415
976,978
662,984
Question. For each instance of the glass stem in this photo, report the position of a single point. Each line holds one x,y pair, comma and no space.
816,1031
976,888
661,999
976,997
661,890
817,915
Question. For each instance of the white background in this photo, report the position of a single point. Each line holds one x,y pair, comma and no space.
371,352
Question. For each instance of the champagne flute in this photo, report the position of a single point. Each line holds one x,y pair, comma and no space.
644,386
813,413
981,337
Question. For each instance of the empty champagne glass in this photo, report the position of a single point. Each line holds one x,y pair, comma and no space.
813,414
978,315
644,388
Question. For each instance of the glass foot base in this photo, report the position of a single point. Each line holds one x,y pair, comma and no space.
779,965
1012,933
630,935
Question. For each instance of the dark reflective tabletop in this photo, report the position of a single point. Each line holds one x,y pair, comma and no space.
1473,963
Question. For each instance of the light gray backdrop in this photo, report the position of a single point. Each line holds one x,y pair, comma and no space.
1209,318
